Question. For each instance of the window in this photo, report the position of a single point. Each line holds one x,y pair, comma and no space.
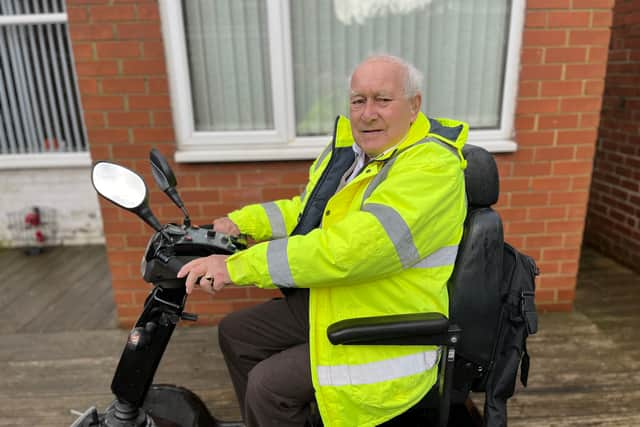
40,118
264,79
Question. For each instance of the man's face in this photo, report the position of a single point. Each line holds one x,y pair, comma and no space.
380,112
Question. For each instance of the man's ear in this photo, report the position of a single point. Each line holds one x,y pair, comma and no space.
415,104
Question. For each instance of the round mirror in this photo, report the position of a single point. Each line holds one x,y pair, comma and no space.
119,185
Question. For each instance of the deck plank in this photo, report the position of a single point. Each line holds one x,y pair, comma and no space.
585,366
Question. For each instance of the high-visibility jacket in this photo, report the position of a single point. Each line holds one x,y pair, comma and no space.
385,243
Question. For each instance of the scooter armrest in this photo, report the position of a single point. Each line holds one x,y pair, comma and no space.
398,329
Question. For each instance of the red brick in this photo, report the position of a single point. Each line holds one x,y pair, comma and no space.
131,151
93,103
525,106
143,67
558,121
567,226
125,85
594,87
529,199
514,184
544,241
532,169
528,89
525,227
548,4
158,85
148,12
97,68
589,37
88,86
593,4
565,54
583,104
535,19
540,72
544,38
153,49
107,135
598,55
118,49
525,123
546,213
561,88
149,102
589,120
577,136
532,55
90,32
566,294
560,254
112,13
585,151
82,51
551,183
94,119
139,31
554,153
162,118
573,168
129,118
569,18
153,135
77,15
536,138
568,197
589,71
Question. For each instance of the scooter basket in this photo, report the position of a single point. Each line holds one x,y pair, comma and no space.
33,228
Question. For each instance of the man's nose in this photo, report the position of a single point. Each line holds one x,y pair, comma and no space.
370,112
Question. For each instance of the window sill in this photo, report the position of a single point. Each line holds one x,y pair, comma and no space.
44,161
302,149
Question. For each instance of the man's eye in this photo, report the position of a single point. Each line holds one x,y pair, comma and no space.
357,101
383,100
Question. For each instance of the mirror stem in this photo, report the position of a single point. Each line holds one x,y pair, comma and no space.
148,217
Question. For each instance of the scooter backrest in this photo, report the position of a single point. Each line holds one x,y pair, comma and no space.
474,287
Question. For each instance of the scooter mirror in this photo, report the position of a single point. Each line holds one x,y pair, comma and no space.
123,188
161,171
119,185
166,180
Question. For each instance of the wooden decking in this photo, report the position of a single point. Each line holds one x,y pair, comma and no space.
59,347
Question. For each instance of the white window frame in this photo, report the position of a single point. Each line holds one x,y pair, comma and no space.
281,143
41,160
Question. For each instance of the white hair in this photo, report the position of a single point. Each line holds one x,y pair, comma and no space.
413,76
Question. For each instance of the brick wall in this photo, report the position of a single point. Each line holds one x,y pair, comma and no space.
122,75
613,219
545,184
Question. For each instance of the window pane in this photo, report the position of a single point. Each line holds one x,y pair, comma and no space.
39,102
459,45
227,49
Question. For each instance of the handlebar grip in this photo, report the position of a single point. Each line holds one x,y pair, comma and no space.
175,264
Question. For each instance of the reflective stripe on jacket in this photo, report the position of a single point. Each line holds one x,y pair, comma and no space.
386,244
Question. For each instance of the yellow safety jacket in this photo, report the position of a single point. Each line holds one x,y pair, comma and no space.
385,244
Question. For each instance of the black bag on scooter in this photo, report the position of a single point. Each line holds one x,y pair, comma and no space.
518,320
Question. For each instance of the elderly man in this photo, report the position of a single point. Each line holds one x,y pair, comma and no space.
374,233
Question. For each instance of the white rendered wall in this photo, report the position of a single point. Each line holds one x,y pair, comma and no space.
68,191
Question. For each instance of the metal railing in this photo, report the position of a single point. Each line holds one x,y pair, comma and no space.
39,104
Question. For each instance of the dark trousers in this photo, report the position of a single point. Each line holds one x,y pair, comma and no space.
266,349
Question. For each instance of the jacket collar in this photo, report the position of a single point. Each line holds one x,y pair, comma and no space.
452,132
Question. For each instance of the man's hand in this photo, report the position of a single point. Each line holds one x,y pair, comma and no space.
211,270
226,226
